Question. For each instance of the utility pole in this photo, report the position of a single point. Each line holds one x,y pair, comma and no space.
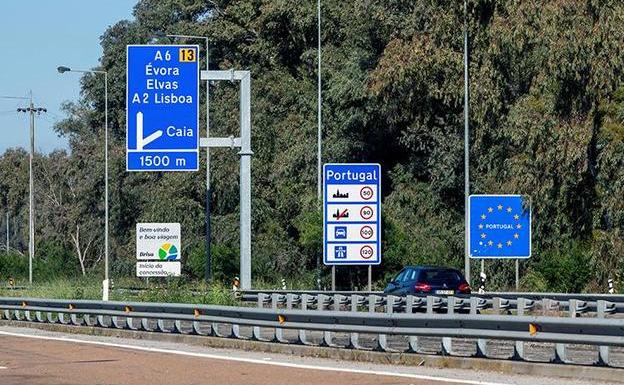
7,233
466,151
32,110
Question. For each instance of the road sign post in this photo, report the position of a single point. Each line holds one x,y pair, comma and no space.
244,143
352,214
162,108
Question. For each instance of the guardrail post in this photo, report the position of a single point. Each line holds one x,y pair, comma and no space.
500,305
197,329
86,319
279,332
320,306
160,326
447,342
603,351
354,342
412,341
482,350
99,320
177,327
144,324
430,300
518,353
130,324
560,349
255,330
302,338
115,322
382,339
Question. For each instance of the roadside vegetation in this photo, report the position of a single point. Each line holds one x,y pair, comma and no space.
546,121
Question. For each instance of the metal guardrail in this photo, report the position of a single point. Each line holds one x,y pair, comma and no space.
500,302
209,320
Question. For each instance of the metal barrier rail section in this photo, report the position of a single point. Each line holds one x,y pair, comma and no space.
345,315
505,303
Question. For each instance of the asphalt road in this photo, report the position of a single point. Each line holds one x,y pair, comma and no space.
26,361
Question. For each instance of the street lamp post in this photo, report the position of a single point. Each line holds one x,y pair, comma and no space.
208,271
62,69
466,152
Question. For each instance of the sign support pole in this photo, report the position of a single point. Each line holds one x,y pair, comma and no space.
245,153
333,277
370,278
245,182
482,266
517,274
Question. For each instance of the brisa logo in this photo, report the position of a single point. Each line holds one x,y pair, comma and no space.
168,252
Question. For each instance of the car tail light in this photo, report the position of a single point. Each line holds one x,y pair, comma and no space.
464,288
422,287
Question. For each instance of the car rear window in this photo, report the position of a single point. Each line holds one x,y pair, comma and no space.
399,277
440,276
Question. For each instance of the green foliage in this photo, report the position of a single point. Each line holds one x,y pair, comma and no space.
565,270
13,266
533,281
546,120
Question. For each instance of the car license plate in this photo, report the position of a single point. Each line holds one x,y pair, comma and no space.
445,292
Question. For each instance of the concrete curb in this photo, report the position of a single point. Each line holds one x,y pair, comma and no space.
578,372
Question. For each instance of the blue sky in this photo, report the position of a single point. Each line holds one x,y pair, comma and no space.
36,36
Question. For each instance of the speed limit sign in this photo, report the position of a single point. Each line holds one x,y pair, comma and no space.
352,214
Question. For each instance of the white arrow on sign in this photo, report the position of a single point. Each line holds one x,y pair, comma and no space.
141,141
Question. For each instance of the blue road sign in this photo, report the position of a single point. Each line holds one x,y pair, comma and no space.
162,108
340,252
500,226
352,214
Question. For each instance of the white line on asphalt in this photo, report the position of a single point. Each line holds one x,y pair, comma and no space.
253,361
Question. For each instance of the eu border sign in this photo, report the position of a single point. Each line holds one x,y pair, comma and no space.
500,227
352,214
162,108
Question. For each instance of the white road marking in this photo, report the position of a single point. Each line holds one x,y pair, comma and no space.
253,361
2,367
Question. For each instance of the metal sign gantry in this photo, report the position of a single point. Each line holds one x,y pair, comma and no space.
244,143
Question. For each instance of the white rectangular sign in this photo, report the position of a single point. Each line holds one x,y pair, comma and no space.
158,269
158,241
352,214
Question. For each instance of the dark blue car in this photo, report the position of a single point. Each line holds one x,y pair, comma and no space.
428,280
